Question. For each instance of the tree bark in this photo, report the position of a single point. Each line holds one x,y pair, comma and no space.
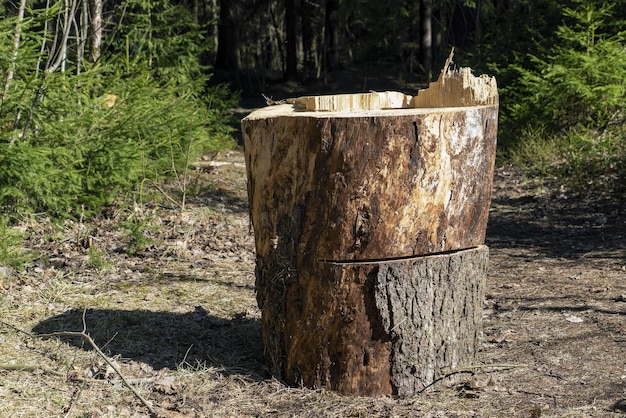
58,55
431,309
16,49
360,217
95,41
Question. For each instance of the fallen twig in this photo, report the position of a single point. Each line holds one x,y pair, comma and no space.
14,328
73,400
87,337
448,372
26,368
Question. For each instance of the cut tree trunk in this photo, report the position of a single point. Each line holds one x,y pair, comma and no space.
369,216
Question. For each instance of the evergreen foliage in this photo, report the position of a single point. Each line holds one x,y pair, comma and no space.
567,107
73,139
12,253
580,81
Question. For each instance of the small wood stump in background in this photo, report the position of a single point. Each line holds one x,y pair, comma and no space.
369,213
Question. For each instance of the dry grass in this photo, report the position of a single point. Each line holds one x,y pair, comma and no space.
179,318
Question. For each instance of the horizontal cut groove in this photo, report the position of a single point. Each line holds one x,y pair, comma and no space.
393,259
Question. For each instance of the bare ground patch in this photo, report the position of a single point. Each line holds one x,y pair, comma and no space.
169,296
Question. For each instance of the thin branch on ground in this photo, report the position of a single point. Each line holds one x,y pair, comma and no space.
447,372
27,368
82,334
471,368
14,328
163,192
73,400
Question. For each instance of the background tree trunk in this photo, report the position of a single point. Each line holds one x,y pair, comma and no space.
307,10
96,30
331,37
16,48
426,43
227,57
291,39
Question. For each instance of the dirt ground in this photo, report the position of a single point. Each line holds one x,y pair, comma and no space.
177,315
556,298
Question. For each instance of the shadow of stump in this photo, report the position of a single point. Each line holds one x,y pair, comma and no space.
166,339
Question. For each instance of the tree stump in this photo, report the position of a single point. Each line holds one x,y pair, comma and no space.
369,214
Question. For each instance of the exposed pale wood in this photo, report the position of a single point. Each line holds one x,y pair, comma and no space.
458,88
340,201
454,88
353,102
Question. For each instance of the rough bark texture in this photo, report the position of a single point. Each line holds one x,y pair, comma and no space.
341,204
381,328
432,310
375,184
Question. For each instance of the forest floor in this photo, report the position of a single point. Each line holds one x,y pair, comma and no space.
168,296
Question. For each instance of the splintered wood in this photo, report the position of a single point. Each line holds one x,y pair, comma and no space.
454,88
458,88
353,102
365,205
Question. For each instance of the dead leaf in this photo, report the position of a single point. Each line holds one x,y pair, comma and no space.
166,413
574,319
110,372
166,385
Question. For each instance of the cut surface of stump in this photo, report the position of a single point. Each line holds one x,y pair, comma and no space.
369,217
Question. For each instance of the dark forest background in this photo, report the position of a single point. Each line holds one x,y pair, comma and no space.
310,40
101,97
